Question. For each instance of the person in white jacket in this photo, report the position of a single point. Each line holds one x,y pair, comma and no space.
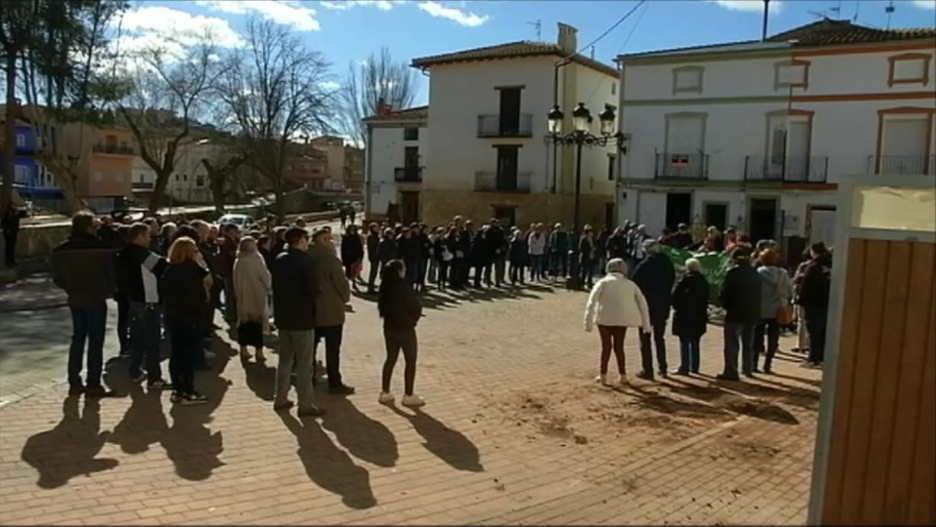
614,305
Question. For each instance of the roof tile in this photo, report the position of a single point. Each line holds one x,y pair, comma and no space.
519,49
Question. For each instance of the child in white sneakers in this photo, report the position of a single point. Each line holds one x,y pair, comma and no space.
399,306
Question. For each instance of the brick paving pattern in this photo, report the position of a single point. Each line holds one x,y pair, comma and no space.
515,432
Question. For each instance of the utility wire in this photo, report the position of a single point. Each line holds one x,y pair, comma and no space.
614,26
620,49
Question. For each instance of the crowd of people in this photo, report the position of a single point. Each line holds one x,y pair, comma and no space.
758,298
168,280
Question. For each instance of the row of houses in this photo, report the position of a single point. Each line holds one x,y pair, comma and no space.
111,167
755,135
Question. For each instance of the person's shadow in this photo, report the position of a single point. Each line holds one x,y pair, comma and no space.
143,424
190,445
446,443
71,448
365,438
329,467
261,379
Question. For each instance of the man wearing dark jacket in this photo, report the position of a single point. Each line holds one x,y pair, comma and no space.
683,237
813,296
294,292
138,271
10,221
82,267
497,246
741,299
227,257
373,256
408,251
617,244
655,277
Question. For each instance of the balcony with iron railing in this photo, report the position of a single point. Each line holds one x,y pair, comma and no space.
502,126
902,165
682,166
143,185
112,149
490,181
408,174
789,169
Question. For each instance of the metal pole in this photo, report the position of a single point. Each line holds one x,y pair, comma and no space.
577,214
764,28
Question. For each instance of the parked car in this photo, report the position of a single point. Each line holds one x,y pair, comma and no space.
241,220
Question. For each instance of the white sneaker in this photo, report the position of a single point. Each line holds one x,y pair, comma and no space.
413,401
602,379
385,398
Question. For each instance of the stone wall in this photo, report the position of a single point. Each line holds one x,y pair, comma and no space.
439,206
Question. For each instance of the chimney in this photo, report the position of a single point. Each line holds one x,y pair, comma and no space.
382,107
567,38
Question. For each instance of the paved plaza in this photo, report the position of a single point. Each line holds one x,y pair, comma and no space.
515,432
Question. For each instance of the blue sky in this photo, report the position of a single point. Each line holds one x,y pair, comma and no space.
349,30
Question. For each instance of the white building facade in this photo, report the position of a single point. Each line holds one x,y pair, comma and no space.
758,135
395,162
483,149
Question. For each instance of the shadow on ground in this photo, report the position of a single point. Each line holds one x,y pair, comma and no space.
328,466
71,448
446,443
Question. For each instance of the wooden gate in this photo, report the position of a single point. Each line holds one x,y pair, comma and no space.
876,438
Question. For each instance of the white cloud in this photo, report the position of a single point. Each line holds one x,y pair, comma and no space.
755,6
287,12
341,5
925,4
329,85
457,15
157,24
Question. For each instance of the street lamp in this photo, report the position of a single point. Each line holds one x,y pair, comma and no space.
581,136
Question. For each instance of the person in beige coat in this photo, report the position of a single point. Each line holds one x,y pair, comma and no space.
252,286
334,294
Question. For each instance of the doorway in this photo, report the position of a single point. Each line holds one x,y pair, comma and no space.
716,214
609,216
507,164
507,216
509,112
409,205
821,224
762,220
678,209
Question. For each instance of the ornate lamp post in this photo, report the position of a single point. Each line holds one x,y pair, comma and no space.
581,136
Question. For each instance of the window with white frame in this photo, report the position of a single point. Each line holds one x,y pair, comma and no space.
20,141
613,88
21,174
687,79
909,68
794,73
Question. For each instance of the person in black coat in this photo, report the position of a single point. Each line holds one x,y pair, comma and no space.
655,276
373,255
10,222
616,246
481,258
352,254
690,315
813,297
425,254
498,247
588,257
518,253
740,298
408,251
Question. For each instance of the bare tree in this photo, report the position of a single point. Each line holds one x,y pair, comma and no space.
50,51
164,92
272,91
59,67
379,78
222,166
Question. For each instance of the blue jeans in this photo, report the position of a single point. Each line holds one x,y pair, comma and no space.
738,338
88,324
536,266
144,340
688,354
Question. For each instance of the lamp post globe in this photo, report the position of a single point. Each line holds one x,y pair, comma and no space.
554,120
606,119
581,118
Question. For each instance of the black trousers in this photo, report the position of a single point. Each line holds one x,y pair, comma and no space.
9,248
374,271
516,273
771,329
123,323
186,347
398,340
646,351
816,321
332,337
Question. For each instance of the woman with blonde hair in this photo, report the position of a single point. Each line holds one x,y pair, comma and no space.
185,302
252,287
615,304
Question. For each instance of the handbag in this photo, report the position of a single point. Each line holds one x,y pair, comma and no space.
785,315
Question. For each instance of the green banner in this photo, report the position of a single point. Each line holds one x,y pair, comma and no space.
714,267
